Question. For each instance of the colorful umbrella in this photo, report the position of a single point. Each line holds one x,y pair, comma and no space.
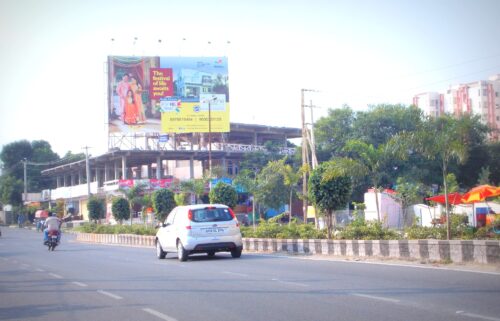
453,198
480,193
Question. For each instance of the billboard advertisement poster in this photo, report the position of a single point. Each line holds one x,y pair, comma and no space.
167,94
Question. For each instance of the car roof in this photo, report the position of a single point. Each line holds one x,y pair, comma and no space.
201,206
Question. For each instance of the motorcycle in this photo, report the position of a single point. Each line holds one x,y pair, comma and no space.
53,240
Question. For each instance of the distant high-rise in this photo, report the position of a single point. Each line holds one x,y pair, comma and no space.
477,98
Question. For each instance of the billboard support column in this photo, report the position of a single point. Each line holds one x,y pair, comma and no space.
158,167
124,167
191,167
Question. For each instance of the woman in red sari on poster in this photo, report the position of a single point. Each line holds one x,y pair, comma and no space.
130,109
137,89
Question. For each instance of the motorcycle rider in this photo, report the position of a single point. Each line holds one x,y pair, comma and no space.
52,223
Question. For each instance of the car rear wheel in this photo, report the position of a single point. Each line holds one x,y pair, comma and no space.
236,253
182,254
211,253
160,254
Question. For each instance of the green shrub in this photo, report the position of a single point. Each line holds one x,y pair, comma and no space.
361,230
425,232
116,229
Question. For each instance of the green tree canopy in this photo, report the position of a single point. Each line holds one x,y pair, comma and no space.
121,209
329,192
223,193
97,208
163,202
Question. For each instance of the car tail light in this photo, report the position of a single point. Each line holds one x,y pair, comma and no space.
188,227
231,212
190,215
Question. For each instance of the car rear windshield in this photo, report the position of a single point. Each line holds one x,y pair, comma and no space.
211,215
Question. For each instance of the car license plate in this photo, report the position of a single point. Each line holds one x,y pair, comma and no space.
214,230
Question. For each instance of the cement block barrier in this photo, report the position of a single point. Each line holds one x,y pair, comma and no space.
456,251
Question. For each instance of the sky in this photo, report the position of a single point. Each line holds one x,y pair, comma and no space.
53,82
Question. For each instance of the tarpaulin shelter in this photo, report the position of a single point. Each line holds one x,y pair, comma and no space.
453,198
480,193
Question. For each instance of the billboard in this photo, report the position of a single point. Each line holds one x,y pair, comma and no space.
168,94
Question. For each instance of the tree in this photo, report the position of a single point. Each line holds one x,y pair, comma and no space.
97,208
135,199
247,180
163,203
329,192
223,193
120,209
291,178
409,193
378,125
271,190
367,160
443,139
484,176
333,131
11,190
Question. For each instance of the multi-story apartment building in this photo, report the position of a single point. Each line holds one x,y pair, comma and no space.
478,98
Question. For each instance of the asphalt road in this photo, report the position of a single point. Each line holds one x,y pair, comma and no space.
99,282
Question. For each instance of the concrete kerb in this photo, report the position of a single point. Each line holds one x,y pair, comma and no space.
456,251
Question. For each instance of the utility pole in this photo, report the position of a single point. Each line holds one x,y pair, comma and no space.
307,140
25,196
87,168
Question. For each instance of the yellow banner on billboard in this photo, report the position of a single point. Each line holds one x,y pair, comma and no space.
193,117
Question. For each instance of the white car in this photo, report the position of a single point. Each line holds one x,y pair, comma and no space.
201,228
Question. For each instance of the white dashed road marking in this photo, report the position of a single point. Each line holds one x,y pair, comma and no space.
57,276
80,284
159,314
477,316
234,273
39,270
111,295
291,283
374,297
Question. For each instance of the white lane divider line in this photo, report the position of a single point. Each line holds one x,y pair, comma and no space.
159,314
236,274
291,283
477,316
57,276
80,284
39,270
111,295
374,297
24,266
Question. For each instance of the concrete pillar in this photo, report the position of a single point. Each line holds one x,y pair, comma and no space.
80,177
191,167
224,165
98,177
117,170
255,141
106,172
124,167
158,167
73,179
148,175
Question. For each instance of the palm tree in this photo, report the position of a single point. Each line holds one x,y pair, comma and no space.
443,139
291,178
367,160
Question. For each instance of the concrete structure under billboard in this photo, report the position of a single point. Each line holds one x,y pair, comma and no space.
181,157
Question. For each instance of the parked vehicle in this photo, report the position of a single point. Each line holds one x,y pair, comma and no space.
201,228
